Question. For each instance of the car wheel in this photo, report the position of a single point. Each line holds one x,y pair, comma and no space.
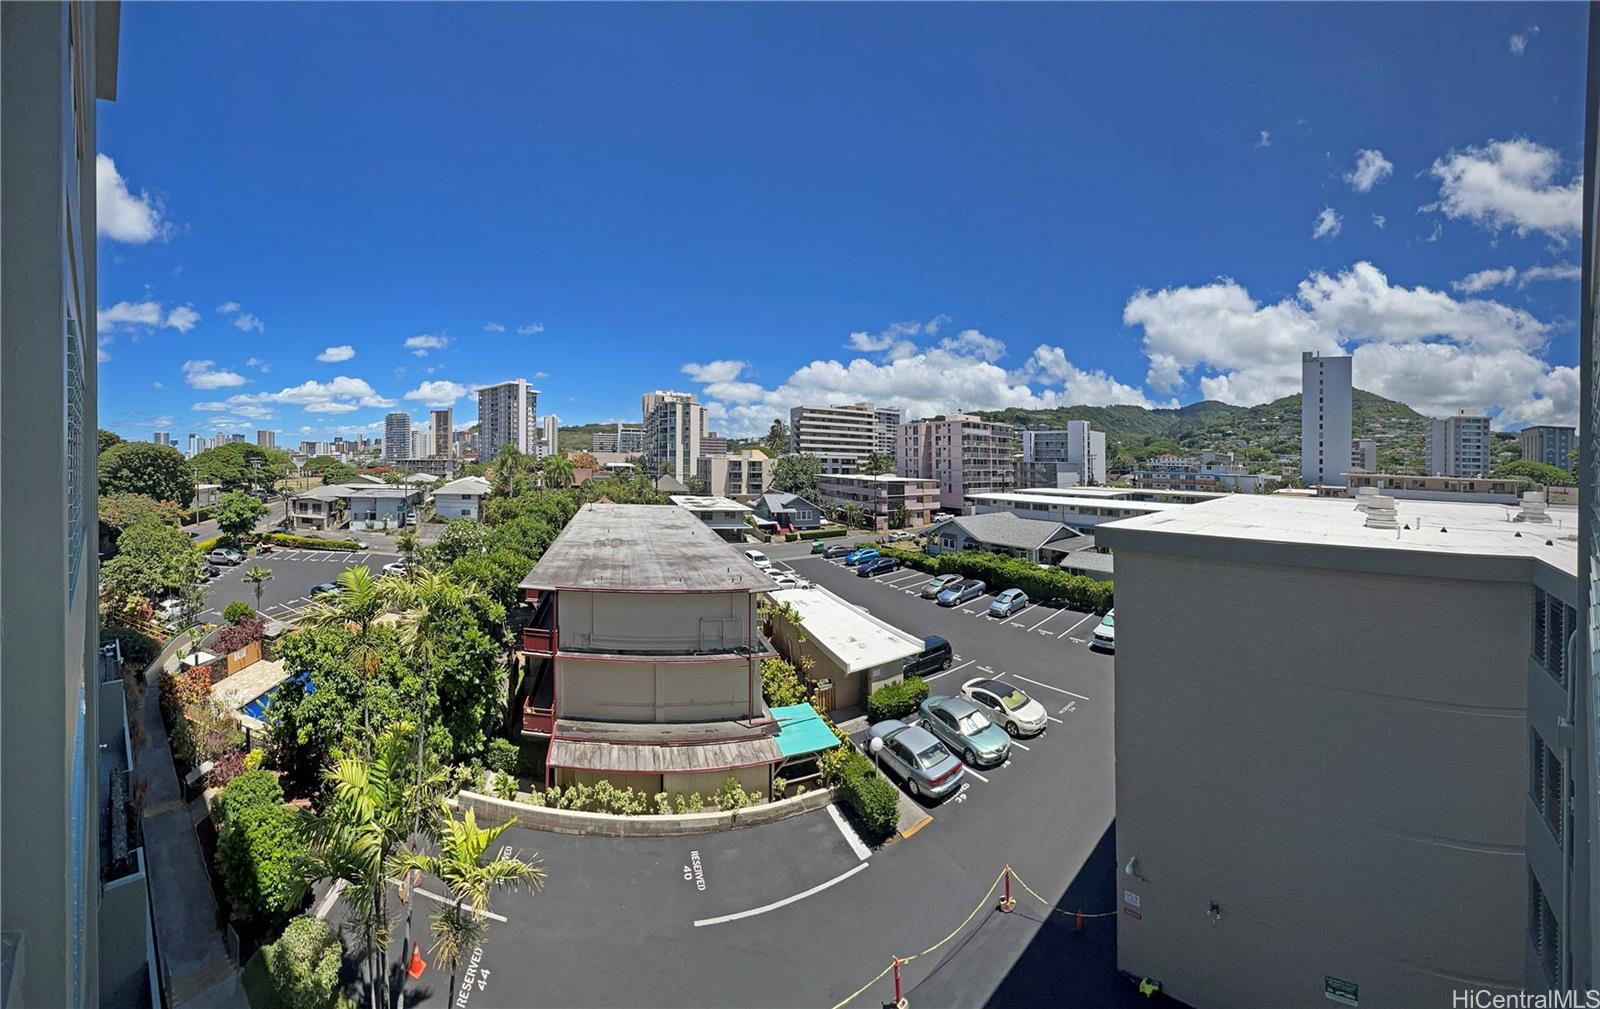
1012,730
969,757
916,789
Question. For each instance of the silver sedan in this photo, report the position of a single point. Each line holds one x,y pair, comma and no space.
912,754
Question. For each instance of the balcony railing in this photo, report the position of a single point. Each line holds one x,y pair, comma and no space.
540,720
539,640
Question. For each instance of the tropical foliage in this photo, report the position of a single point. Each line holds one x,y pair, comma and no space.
237,514
138,467
258,849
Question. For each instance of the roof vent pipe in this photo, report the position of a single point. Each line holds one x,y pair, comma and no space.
1381,513
1533,508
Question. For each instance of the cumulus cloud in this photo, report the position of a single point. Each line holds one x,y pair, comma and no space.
1266,139
1518,43
259,365
227,308
1371,168
1379,221
896,338
343,352
714,371
1327,225
531,328
1483,280
1509,184
339,395
119,214
437,393
421,344
203,375
246,322
145,315
1430,350
493,327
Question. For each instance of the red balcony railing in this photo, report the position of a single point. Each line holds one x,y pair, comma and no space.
539,640
540,720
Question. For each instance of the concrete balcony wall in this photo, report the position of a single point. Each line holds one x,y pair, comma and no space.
661,623
654,691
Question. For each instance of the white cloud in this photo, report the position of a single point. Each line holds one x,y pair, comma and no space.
437,393
1560,271
1425,348
119,214
896,338
1371,168
227,308
203,375
159,385
1094,388
259,365
101,355
182,318
493,327
1483,280
714,371
972,343
1379,221
420,345
339,395
343,352
1518,43
1509,184
1327,225
531,328
144,315
1266,139
246,322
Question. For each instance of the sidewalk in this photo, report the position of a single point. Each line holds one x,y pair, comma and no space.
198,971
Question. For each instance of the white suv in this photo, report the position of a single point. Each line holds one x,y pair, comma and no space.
758,558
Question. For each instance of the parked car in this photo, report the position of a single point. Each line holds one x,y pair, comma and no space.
961,726
225,555
786,580
325,589
758,558
209,571
901,536
1105,634
858,555
962,592
1008,602
265,547
1007,706
875,566
836,551
913,755
935,657
397,568
819,547
937,584
169,611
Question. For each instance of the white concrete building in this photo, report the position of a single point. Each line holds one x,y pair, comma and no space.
741,474
853,652
551,438
266,439
1350,776
722,515
1208,471
886,421
674,423
1068,506
461,499
962,454
840,436
508,414
627,439
1364,455
1458,445
1077,449
397,436
1325,405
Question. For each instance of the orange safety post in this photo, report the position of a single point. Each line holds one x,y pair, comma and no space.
898,999
1080,921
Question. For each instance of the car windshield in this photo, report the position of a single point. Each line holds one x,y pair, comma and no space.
931,757
973,723
1014,700
1109,621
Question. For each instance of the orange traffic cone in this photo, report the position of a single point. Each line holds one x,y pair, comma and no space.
417,966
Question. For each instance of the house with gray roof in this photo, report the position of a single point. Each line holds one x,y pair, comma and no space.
1038,540
790,510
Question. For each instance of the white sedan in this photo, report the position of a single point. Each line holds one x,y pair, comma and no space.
1105,632
758,558
786,580
1006,706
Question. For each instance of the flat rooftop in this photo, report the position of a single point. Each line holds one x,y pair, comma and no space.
1457,528
643,548
1072,500
707,503
854,639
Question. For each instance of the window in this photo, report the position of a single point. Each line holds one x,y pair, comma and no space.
1545,783
1544,931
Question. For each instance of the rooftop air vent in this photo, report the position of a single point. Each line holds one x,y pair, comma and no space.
1381,513
1364,496
1533,505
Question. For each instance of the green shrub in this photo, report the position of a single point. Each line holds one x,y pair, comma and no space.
206,546
1001,572
258,845
822,534
897,699
304,964
780,684
310,542
502,756
237,611
863,789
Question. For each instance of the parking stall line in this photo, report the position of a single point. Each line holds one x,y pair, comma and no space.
900,581
1046,620
947,672
975,774
1049,687
981,601
1054,719
419,891
1069,630
850,836
1020,746
785,902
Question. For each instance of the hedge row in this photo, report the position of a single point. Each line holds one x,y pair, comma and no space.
311,542
897,699
206,546
863,789
822,534
1001,572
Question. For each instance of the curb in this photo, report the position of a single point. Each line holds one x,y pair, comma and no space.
490,810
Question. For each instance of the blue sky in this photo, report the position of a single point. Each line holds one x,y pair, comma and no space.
311,213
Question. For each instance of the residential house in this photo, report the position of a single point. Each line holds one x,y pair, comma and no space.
852,653
382,507
789,511
1039,540
461,499
320,508
722,515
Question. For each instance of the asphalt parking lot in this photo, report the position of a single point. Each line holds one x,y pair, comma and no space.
803,913
294,572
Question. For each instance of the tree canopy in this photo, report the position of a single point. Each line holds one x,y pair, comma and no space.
875,464
108,439
153,559
1540,473
237,514
121,509
777,441
240,464
796,474
156,471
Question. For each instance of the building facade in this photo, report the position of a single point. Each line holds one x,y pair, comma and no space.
397,436
1239,831
627,439
841,437
886,421
962,454
674,423
1209,471
461,499
1458,445
743,474
1443,488
508,414
1550,444
441,424
551,439
1078,449
1325,405
267,439
887,501
1364,455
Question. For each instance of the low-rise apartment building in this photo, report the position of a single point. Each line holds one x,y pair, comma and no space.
841,437
1443,488
644,655
320,509
1209,471
723,516
742,474
882,498
1301,820
461,499
962,454
1070,506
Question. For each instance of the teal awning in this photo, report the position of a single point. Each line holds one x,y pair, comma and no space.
801,731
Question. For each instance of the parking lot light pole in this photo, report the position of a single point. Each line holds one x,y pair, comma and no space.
876,746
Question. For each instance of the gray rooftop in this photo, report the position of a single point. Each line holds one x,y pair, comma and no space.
783,501
1009,530
467,486
384,491
643,548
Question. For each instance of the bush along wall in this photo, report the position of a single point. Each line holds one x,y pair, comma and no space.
311,542
1001,572
897,700
863,789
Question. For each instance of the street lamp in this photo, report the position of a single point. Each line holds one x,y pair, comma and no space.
876,745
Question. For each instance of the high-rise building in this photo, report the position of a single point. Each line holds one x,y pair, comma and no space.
841,437
1078,448
627,439
886,421
1458,445
161,438
1550,444
1364,455
713,444
192,448
962,454
551,442
267,439
441,422
73,895
1324,419
674,423
419,443
508,415
396,436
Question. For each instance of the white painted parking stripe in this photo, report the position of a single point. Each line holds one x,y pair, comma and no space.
975,774
419,891
955,669
1069,630
1054,719
1021,747
1046,620
1049,687
982,603
850,836
900,581
785,902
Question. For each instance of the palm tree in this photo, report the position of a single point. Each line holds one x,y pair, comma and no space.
409,544
507,465
258,577
357,837
471,881
557,471
359,601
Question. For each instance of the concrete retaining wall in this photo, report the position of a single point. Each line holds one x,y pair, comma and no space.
490,810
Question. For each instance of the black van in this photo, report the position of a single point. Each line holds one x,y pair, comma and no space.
936,657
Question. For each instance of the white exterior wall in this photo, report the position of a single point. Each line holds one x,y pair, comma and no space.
651,622
645,691
840,436
1325,404
456,506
